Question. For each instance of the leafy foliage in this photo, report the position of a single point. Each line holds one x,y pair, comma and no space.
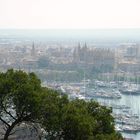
22,99
80,120
19,100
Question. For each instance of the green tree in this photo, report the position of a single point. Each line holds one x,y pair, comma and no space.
80,120
77,124
22,99
19,99
102,114
52,102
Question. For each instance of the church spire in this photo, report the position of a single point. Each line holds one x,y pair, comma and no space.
33,50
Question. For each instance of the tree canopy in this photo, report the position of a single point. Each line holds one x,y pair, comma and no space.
23,100
19,100
80,120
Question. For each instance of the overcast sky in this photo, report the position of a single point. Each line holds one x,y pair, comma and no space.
70,14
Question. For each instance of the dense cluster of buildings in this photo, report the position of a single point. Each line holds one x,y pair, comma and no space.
128,57
125,58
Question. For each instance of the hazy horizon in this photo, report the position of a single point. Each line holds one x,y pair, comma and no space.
75,33
95,37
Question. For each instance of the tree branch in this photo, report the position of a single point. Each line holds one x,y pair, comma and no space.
8,112
4,122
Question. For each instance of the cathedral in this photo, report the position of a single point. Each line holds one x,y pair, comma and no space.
94,56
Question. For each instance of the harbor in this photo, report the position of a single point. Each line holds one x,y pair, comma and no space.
125,107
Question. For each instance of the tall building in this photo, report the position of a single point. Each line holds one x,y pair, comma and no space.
94,56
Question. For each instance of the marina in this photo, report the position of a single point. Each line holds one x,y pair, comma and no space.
126,107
